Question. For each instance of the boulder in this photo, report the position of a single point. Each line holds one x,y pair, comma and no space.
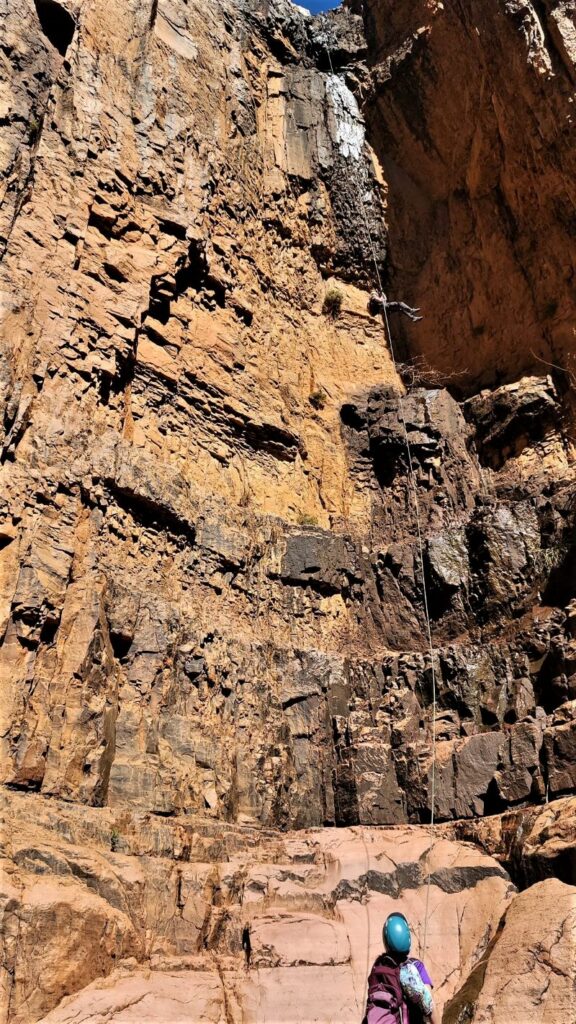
530,971
507,416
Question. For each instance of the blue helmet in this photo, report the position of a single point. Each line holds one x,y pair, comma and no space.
396,934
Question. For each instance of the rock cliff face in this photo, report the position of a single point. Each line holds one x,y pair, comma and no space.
211,593
472,116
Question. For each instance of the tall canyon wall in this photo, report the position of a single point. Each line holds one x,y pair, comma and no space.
217,716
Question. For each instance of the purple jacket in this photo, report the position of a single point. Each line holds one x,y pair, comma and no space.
386,1003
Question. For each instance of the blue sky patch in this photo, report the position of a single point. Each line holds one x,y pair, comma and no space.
315,6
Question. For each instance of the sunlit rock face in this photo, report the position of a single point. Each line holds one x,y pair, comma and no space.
173,919
215,677
187,187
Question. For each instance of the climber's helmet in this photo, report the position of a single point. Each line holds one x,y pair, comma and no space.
396,935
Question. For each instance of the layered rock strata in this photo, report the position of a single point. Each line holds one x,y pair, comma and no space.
211,598
225,914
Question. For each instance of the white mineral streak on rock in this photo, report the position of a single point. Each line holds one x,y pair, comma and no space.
350,133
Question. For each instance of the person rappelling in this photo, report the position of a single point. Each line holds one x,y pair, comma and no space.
399,986
380,303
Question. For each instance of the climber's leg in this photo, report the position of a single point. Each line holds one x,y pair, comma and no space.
407,310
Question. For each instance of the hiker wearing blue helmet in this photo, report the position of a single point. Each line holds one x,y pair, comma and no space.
399,987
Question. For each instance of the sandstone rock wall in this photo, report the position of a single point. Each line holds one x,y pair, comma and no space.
172,409
211,602
190,920
225,913
211,586
472,116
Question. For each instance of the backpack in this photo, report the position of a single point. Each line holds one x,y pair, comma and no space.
386,1004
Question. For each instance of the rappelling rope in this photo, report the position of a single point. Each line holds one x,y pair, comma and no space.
413,485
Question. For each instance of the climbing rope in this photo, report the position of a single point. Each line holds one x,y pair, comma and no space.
414,489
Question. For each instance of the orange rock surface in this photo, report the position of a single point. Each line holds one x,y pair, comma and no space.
216,719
